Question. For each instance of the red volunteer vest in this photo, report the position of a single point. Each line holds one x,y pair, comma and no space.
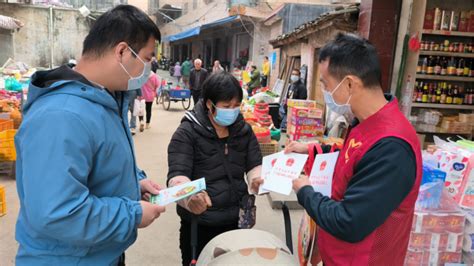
387,245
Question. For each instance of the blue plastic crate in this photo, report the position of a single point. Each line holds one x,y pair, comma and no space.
182,94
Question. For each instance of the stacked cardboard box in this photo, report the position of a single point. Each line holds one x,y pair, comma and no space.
305,120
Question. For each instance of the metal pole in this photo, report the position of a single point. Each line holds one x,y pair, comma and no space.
51,41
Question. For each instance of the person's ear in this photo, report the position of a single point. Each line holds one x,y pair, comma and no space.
354,83
119,51
209,105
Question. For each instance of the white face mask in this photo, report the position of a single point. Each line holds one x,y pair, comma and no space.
135,83
294,78
342,109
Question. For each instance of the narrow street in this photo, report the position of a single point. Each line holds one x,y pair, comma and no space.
157,244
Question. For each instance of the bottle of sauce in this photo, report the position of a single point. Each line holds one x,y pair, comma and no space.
466,96
443,94
424,66
419,66
444,66
419,93
433,94
460,68
451,67
466,70
437,64
450,98
424,98
456,95
438,94
430,69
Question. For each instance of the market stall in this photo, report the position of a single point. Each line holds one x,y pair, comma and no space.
14,79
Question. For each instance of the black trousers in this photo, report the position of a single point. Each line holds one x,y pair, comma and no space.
264,81
196,96
204,235
148,112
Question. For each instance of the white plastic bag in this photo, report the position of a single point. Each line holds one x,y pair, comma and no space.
139,107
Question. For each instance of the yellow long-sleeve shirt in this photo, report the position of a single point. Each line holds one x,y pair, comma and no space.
266,69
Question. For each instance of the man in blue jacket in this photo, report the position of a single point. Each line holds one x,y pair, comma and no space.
82,195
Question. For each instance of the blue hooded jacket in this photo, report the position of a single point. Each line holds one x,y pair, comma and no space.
77,179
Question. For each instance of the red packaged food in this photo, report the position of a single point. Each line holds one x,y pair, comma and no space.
429,19
471,22
464,21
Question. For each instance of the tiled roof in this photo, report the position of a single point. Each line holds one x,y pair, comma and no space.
309,27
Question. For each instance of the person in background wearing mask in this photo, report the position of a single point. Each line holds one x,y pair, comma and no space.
82,196
297,91
197,78
213,141
379,168
265,71
177,72
186,72
254,80
217,67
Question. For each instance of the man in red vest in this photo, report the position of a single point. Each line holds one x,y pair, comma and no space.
367,219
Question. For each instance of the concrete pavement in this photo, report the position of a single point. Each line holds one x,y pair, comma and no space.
157,244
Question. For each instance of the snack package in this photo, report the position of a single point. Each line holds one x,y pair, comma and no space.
179,192
454,164
432,185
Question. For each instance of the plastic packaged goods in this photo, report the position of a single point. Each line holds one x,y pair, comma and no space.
431,188
437,234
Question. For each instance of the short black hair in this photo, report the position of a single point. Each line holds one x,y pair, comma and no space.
254,66
297,70
124,23
266,57
221,86
350,54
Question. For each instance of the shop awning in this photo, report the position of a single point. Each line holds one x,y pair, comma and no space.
183,35
195,31
219,22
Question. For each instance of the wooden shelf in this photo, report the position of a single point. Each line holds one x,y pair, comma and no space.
448,33
447,78
439,130
443,106
449,54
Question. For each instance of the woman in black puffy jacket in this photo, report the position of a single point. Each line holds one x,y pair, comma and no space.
214,142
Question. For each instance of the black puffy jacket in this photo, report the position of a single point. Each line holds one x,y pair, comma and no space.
195,151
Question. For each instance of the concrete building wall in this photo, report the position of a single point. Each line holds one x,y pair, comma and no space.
31,43
142,4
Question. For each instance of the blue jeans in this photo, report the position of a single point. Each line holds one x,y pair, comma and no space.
282,112
132,95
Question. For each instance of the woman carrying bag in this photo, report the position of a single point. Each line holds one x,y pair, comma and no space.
214,142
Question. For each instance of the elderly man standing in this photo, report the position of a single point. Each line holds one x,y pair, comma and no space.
197,78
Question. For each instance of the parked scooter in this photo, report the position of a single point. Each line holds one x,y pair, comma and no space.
164,63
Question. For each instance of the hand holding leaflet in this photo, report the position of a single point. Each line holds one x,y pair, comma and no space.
179,192
286,168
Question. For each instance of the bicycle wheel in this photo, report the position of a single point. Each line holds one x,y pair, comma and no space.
186,103
166,101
